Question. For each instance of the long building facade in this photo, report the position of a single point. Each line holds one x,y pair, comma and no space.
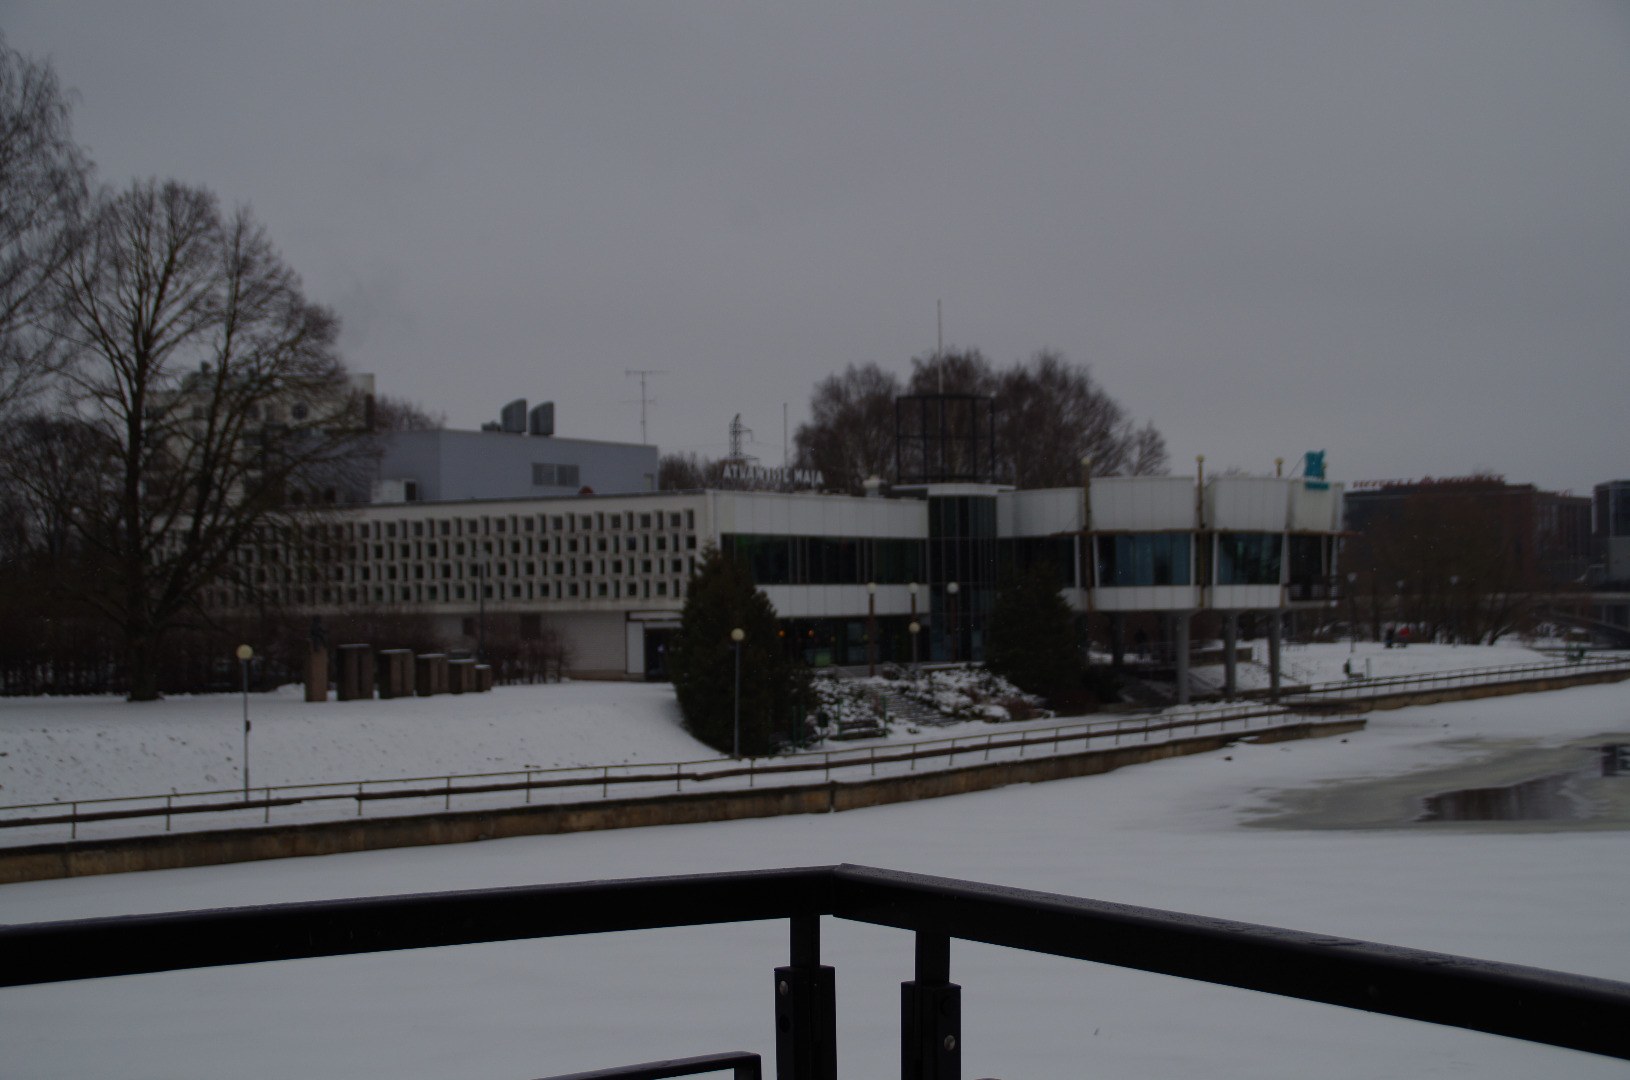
610,572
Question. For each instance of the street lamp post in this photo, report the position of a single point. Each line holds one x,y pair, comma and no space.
481,612
1352,615
951,590
915,627
1454,611
736,636
871,629
245,653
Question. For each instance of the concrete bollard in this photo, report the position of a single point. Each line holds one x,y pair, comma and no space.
396,673
432,672
317,674
356,672
461,676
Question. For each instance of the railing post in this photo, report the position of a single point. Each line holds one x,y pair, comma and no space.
806,1028
931,1014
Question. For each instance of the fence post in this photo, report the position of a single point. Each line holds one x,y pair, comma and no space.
268,820
359,800
73,824
806,1032
167,804
931,1014
448,805
605,782
529,786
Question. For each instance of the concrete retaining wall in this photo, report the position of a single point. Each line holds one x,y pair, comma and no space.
172,851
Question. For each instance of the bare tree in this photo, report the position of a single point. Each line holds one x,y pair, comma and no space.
850,434
43,184
1049,414
399,414
212,387
1148,455
686,472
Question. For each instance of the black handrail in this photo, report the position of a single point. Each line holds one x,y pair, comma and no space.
746,1067
1533,1004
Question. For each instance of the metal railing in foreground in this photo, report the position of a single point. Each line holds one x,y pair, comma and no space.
669,776
1574,1011
745,1066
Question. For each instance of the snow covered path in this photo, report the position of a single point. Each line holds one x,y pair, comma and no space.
1169,834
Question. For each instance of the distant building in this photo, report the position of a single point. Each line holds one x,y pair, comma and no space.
518,457
610,571
1550,531
1612,534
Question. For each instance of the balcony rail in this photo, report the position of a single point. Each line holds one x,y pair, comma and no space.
666,777
1532,1004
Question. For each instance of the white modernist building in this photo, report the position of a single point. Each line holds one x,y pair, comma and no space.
610,571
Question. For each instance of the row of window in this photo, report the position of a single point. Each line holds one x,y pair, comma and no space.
1243,558
827,560
446,592
513,523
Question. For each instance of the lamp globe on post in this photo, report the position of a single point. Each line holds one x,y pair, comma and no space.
951,590
915,626
736,637
245,654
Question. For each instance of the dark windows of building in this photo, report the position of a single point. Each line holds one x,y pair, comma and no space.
1019,554
1248,558
645,521
826,560
1143,559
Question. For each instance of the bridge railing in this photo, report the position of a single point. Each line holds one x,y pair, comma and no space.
522,786
1365,688
1549,1007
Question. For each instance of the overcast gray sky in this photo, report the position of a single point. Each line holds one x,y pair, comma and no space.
1396,231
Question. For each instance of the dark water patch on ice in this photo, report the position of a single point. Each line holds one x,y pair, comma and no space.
1545,798
1512,785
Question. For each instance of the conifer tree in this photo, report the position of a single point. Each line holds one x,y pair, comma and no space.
1031,638
702,660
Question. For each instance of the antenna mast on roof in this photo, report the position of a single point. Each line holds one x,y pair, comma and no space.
629,373
939,337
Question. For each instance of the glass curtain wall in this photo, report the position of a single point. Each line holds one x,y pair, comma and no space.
1248,558
1127,560
961,548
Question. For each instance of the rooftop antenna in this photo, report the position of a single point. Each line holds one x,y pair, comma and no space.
939,336
629,373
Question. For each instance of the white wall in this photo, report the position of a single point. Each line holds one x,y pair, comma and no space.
1143,503
1313,510
1038,513
772,514
1248,503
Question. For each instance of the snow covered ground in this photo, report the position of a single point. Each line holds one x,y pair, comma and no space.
1177,834
61,749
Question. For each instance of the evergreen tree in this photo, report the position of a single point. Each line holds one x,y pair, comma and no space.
702,660
1031,638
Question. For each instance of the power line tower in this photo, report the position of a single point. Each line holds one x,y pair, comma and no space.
738,431
630,373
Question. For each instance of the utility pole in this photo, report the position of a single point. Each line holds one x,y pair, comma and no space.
631,372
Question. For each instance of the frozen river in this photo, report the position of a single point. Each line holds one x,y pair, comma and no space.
1178,834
